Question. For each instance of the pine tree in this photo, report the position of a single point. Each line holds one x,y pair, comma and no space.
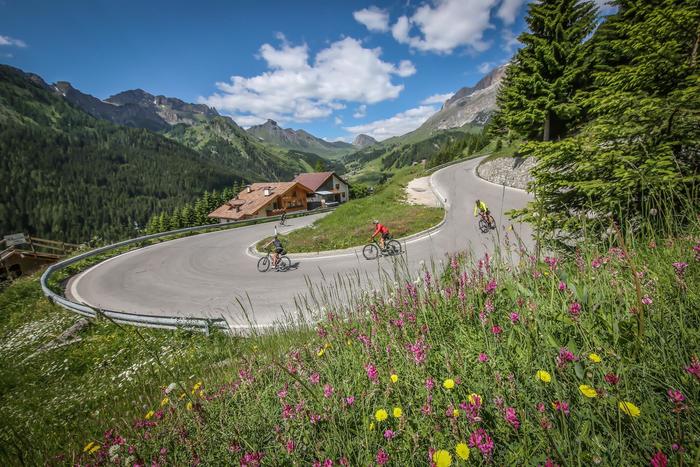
537,98
163,222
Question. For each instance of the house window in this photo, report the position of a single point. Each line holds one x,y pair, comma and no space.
337,186
342,195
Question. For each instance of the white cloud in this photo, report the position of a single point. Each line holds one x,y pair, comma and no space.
297,88
399,124
446,25
509,41
12,42
246,121
604,6
374,19
437,98
360,112
508,10
338,120
485,67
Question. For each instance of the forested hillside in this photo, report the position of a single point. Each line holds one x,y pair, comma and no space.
69,176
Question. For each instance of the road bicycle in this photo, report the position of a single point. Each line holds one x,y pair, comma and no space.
373,250
486,222
283,263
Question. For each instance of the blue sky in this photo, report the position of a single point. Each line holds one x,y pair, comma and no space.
334,68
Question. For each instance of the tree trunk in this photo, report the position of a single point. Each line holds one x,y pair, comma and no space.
547,126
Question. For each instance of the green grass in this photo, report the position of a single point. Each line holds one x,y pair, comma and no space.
351,223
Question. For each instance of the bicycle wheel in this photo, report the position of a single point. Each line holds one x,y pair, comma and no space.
370,251
264,264
393,247
284,264
492,222
483,226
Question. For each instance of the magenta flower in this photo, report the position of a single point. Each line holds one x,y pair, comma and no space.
482,441
551,262
350,400
514,317
562,286
382,457
327,391
565,356
659,460
282,393
389,434
540,407
290,446
694,367
575,310
496,330
678,400
372,372
419,350
511,417
315,378
680,268
612,379
561,406
429,384
252,459
696,249
550,463
491,286
483,358
646,299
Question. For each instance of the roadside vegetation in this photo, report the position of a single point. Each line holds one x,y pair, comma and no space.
351,223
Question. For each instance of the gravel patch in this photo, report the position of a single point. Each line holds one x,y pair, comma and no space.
418,191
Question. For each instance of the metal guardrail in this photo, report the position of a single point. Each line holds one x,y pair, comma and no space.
152,321
453,162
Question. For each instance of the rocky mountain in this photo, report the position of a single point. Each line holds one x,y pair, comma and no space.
362,141
473,105
137,108
271,133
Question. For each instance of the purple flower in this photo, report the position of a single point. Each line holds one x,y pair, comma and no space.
483,358
561,406
551,262
382,457
562,286
511,417
575,310
612,379
290,446
514,317
429,384
659,460
350,400
565,356
481,440
327,391
647,300
372,372
694,367
419,350
680,268
389,434
252,459
315,378
490,286
678,400
496,330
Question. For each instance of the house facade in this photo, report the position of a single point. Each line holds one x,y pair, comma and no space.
264,200
327,187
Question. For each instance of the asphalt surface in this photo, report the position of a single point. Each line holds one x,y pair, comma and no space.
214,275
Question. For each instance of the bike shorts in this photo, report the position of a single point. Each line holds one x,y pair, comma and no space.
280,251
386,236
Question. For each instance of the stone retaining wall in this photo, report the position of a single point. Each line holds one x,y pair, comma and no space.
509,171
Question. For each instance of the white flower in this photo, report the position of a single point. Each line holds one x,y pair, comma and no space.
170,388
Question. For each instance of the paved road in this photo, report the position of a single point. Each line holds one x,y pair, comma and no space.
213,275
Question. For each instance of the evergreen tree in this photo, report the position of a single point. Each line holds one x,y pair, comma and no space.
537,98
163,222
320,166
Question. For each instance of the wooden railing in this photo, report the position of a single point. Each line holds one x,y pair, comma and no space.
39,248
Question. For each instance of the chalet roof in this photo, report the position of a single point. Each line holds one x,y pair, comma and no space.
314,180
250,203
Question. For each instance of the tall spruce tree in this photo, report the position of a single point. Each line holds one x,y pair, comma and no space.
537,99
640,153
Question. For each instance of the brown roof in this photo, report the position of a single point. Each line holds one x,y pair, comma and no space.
249,204
314,180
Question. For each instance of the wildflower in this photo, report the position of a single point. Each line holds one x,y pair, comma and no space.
291,446
677,398
561,406
540,407
371,426
562,286
189,406
372,372
327,391
474,399
565,356
314,378
89,446
481,440
381,415
419,350
462,451
587,391
594,357
394,377
389,434
496,330
350,400
575,310
544,376
397,412
321,351
611,378
514,317
252,459
511,417
442,458
165,401
382,457
429,384
454,413
448,383
694,367
490,286
149,415
550,463
629,408
282,393
680,268
551,262
483,358
696,249
196,387
659,460
171,387
646,299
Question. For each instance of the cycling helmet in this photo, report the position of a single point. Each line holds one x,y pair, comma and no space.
375,221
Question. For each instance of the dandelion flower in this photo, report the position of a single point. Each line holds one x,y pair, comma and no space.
321,352
594,357
588,391
474,398
381,415
88,446
442,458
397,412
462,451
394,377
448,384
165,401
455,413
149,415
189,406
629,409
94,449
544,376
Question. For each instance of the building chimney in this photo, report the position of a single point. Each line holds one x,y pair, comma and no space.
247,188
267,191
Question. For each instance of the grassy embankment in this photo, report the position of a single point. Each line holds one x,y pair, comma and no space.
351,223
588,358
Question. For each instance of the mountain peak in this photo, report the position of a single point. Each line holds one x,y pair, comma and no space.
362,141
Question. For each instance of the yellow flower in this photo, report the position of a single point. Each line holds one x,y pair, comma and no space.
165,401
455,413
348,342
327,345
629,408
462,451
371,426
88,446
381,415
473,397
189,405
321,352
448,384
397,412
394,377
544,376
94,449
594,357
588,391
196,387
442,458
149,415
181,396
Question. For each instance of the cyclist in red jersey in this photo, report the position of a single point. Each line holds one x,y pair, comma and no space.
380,229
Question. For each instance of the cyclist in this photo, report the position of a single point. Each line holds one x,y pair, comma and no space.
380,229
283,219
279,250
481,209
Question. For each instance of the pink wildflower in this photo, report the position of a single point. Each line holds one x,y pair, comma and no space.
561,406
696,249
540,407
514,317
419,350
612,379
429,384
565,356
659,460
496,330
680,268
481,440
372,372
550,463
562,286
389,434
382,457
483,358
327,391
646,299
315,378
678,400
350,400
282,393
252,459
551,262
511,417
290,446
575,310
694,367
491,286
